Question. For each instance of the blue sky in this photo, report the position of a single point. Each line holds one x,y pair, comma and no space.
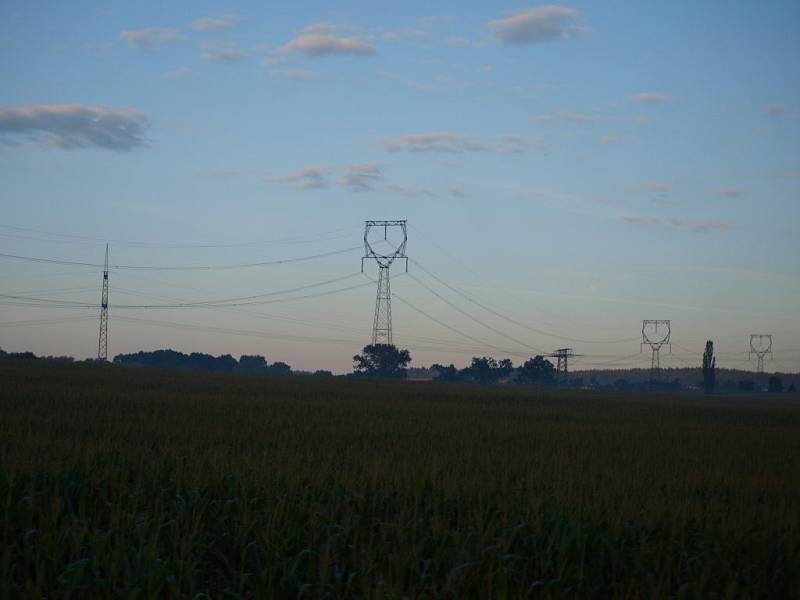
577,167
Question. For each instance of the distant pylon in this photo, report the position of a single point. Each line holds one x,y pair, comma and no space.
562,370
102,344
382,322
655,338
761,346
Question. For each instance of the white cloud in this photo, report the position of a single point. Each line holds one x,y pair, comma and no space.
178,73
775,110
154,36
76,126
224,56
324,44
657,186
433,142
690,224
293,73
541,24
456,191
310,178
578,117
519,144
410,192
215,23
361,177
728,192
650,98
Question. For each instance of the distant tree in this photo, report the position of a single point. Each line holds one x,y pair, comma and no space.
536,371
445,374
252,364
747,385
279,368
382,361
791,389
322,373
775,384
198,361
709,368
621,384
487,369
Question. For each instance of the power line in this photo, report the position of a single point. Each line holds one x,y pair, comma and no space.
473,318
51,321
457,331
179,268
56,303
94,241
514,321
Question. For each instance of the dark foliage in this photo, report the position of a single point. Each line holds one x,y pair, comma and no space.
383,361
536,371
487,370
197,361
775,384
446,374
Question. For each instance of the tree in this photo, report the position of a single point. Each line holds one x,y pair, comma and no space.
445,374
775,385
252,364
747,385
709,368
487,369
536,370
382,361
279,368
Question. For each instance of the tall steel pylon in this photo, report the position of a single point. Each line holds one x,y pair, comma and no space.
382,322
102,344
656,339
761,346
562,370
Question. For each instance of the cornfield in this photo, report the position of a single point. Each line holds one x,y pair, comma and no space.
134,483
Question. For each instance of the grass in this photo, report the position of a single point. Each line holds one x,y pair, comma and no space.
150,484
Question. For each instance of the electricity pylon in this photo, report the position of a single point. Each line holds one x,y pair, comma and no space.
563,355
761,346
382,322
651,336
102,344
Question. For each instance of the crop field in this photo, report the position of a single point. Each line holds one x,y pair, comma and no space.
134,483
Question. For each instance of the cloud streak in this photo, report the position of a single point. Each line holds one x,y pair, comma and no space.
316,45
356,178
361,177
441,142
151,37
224,56
72,126
650,98
215,23
535,25
692,225
310,178
728,192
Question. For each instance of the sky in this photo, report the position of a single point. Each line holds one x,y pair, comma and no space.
566,171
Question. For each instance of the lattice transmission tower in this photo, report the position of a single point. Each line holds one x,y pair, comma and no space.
102,344
761,346
656,334
562,369
382,322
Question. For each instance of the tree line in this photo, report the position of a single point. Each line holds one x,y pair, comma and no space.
383,361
